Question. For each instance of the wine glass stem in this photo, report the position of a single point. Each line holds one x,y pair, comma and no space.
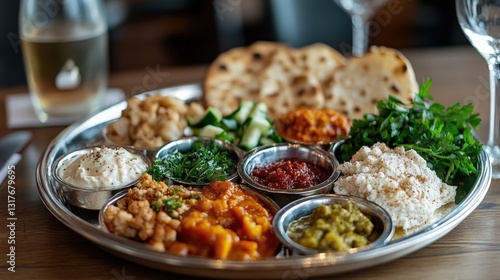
493,145
360,29
494,129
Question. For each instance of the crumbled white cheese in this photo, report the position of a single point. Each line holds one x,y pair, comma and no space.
397,180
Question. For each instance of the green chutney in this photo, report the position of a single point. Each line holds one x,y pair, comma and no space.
333,227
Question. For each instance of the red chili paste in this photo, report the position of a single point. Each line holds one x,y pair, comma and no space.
289,174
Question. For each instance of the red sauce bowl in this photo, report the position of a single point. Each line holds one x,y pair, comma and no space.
287,162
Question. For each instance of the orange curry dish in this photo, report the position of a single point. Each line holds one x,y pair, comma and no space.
309,125
222,221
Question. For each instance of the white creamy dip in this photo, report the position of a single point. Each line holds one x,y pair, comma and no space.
398,180
103,168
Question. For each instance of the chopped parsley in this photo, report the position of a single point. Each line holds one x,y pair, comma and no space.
202,164
172,203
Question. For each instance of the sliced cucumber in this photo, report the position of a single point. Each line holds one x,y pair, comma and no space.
259,122
229,124
266,141
241,114
210,131
259,109
212,116
225,136
247,127
250,138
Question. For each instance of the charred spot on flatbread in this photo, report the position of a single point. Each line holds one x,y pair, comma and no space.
256,56
222,67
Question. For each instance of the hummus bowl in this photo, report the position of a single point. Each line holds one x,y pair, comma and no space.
91,175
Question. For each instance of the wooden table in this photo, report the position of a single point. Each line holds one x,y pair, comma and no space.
46,249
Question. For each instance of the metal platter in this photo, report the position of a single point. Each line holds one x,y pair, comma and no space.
88,131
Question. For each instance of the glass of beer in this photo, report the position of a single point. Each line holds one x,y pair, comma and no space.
65,51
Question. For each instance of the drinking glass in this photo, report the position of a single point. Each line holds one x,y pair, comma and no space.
480,21
65,51
361,13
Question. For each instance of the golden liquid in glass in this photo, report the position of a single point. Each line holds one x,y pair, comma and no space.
48,50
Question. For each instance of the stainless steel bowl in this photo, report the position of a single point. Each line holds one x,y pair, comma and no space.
92,199
304,206
335,149
275,152
185,144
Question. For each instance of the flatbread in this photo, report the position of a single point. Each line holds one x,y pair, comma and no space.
234,75
296,77
357,87
315,76
321,60
285,85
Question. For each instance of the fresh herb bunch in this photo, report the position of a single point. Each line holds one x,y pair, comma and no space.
201,164
442,136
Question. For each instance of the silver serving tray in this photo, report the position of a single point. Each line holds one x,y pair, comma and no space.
88,131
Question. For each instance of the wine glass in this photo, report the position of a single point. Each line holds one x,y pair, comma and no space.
361,12
480,21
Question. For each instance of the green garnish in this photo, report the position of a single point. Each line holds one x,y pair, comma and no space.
442,136
176,190
173,203
197,196
202,164
155,207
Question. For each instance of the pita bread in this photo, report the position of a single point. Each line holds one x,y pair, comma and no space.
234,75
357,87
315,76
321,60
285,85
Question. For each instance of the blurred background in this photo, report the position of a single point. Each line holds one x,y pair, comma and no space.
187,32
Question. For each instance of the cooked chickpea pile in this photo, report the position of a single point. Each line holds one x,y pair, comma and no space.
222,221
152,122
150,212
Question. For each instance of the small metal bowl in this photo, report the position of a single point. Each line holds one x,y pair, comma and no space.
275,152
90,198
185,144
304,207
335,149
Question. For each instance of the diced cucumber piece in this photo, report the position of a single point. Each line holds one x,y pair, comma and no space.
266,141
259,109
210,131
212,116
250,138
241,114
229,124
232,135
225,136
261,123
